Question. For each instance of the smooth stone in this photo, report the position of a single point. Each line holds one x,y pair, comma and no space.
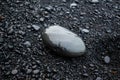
107,59
49,8
64,0
36,27
63,41
85,30
29,26
42,19
36,71
14,72
91,65
85,75
99,78
29,71
73,5
27,43
94,1
21,32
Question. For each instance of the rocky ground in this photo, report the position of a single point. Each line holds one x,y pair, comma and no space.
22,52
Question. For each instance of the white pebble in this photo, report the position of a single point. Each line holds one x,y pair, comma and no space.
85,30
64,0
67,42
41,19
14,71
28,26
98,78
36,27
36,71
95,1
107,59
27,43
73,5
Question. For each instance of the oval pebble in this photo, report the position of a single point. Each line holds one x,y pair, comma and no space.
85,30
107,59
29,71
73,5
36,71
94,1
27,43
14,71
63,41
36,27
98,78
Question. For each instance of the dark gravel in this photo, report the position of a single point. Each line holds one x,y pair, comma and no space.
23,55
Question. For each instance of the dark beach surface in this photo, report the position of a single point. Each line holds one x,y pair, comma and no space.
23,55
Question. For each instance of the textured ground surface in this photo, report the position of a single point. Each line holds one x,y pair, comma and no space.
23,55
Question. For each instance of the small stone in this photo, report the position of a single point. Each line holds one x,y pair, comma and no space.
85,75
36,71
82,13
49,8
34,66
73,5
67,12
29,71
21,32
91,65
94,1
84,67
29,26
63,41
85,30
27,43
54,70
107,59
64,0
14,71
42,19
108,31
36,27
99,78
